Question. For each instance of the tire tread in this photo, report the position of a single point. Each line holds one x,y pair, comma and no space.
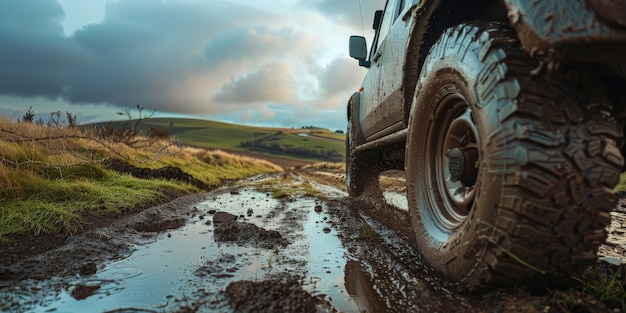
566,162
555,145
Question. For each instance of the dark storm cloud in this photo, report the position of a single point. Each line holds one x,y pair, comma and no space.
34,16
192,57
34,54
144,51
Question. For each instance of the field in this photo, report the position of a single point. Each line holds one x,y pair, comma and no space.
307,145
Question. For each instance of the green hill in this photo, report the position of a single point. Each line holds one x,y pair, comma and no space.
308,145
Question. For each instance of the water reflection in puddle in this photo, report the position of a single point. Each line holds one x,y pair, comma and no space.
188,263
360,287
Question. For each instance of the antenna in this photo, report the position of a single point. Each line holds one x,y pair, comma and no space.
361,10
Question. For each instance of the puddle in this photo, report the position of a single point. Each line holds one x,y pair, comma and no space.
360,288
188,265
330,253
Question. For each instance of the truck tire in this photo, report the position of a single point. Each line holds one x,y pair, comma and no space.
510,176
358,173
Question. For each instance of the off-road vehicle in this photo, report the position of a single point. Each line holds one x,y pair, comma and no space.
507,118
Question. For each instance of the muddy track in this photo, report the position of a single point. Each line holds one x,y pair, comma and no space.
290,242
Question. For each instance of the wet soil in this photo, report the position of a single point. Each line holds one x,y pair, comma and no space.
239,249
167,172
268,296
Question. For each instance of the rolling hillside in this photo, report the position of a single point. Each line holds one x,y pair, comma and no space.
296,145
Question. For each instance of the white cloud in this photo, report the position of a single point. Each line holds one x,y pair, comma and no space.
271,83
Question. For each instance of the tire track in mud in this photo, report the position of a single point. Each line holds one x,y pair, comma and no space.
392,235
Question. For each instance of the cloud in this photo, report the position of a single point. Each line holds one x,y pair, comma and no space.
35,55
271,83
34,17
348,13
204,58
146,51
339,76
258,115
251,43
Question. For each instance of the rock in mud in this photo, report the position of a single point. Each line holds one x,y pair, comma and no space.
246,233
270,296
223,217
81,292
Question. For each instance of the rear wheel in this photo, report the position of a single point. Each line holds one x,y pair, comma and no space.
360,166
508,175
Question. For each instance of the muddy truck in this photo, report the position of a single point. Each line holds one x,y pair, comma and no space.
507,117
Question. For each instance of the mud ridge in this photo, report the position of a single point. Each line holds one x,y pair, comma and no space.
247,233
167,172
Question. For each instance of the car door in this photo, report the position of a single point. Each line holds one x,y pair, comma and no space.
383,98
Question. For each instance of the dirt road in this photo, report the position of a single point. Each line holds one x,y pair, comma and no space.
290,242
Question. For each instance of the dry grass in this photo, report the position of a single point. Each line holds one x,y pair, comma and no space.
50,176
327,166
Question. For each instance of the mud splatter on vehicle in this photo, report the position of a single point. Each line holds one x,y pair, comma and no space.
508,119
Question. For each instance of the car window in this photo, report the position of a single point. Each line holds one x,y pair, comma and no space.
392,12
400,8
385,24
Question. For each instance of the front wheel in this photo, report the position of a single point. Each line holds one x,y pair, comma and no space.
509,176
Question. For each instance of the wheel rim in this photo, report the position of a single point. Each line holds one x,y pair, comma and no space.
452,161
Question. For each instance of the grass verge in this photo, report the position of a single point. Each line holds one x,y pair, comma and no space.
51,177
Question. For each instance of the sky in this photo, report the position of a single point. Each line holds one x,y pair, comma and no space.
279,63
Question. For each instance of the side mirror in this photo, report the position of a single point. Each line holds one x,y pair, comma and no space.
358,50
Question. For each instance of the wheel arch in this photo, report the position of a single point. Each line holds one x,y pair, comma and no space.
431,21
353,107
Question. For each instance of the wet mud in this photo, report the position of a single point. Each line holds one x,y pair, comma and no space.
268,296
168,172
290,242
